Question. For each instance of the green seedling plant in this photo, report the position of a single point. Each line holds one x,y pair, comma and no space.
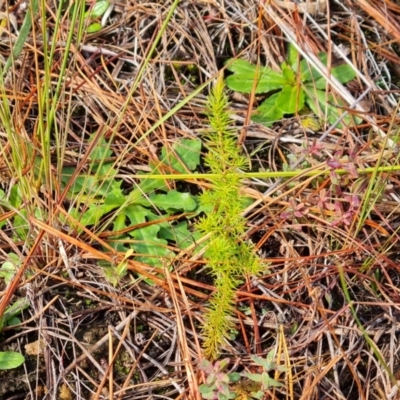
222,385
229,258
218,382
12,359
291,90
95,17
142,215
8,268
264,379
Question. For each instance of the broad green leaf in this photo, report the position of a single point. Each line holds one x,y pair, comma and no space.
93,215
136,214
95,27
20,225
7,271
97,10
101,150
323,106
173,200
245,74
13,321
241,66
11,359
268,112
288,74
290,99
146,186
15,196
343,73
186,152
16,308
8,268
309,73
150,244
292,56
177,233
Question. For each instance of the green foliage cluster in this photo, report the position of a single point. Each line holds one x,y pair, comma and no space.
141,212
289,91
229,258
95,16
222,385
12,359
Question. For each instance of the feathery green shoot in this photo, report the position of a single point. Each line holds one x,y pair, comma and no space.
229,258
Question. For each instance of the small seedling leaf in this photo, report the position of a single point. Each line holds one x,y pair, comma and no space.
8,268
205,389
97,10
93,28
13,321
254,377
269,382
234,376
11,359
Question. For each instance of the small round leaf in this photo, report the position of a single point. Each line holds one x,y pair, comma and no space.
11,359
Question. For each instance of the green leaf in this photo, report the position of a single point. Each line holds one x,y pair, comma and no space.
322,105
8,268
93,28
11,359
268,112
292,56
269,382
288,74
16,308
254,377
234,376
173,200
147,186
290,100
149,244
92,215
101,150
245,74
344,73
309,73
186,152
177,233
205,389
13,321
97,10
136,214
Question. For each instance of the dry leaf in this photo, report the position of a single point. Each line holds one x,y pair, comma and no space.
35,348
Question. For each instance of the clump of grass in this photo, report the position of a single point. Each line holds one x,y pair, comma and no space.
229,257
